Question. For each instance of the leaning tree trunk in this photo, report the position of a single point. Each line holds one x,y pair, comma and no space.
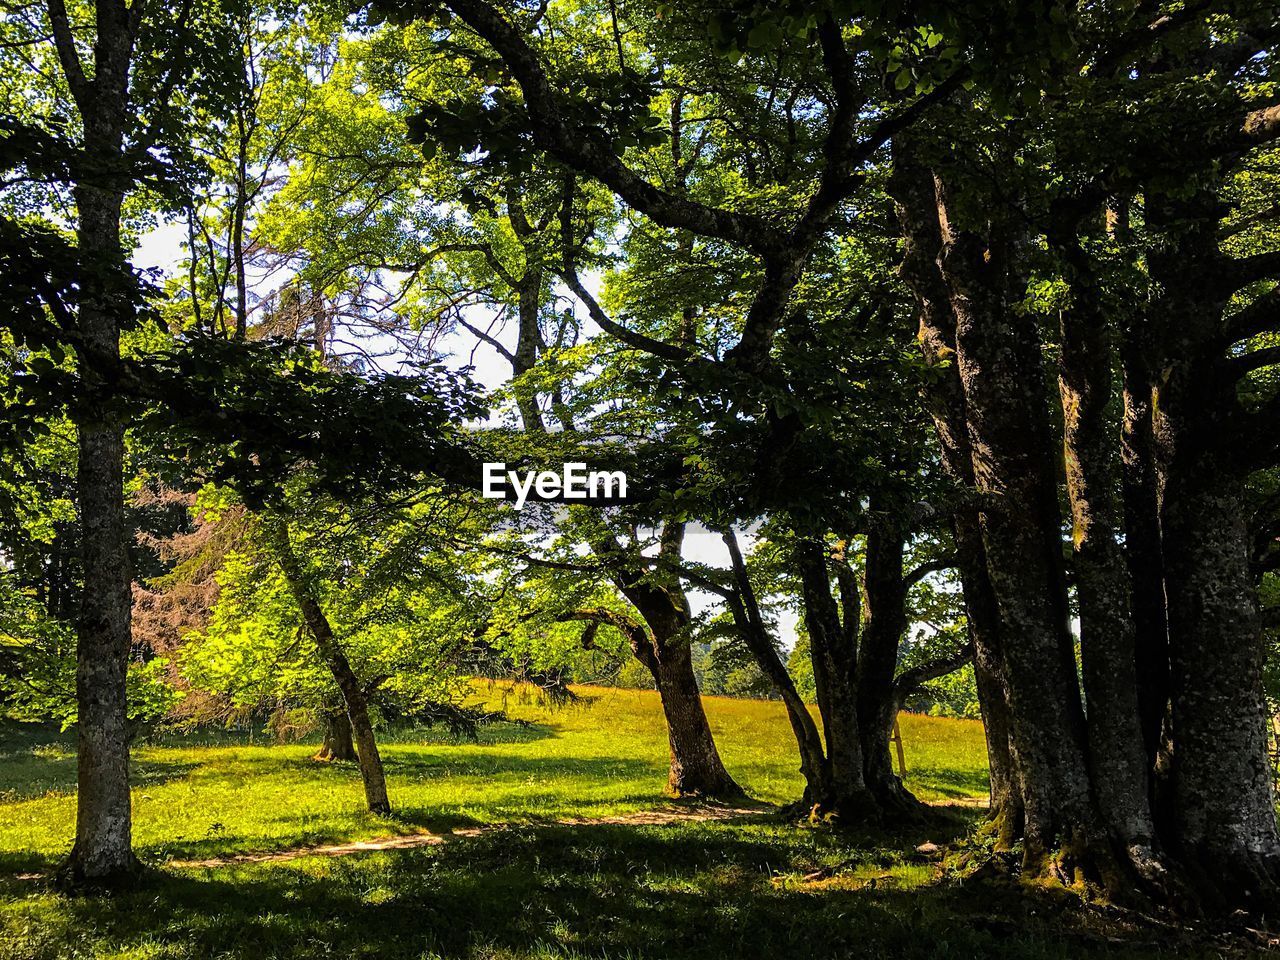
696,768
337,743
821,797
1223,802
913,190
1103,589
353,695
103,852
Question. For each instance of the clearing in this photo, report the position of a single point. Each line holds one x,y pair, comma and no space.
559,844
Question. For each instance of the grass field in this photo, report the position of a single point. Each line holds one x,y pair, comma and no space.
534,888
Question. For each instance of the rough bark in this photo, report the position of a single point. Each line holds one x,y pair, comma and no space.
998,354
337,743
1222,796
103,847
885,621
1107,640
913,191
353,695
102,853
833,647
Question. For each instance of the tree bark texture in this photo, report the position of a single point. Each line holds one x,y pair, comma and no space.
1223,804
102,853
998,354
913,190
353,695
1103,588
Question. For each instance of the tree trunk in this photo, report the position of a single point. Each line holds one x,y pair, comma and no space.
1144,554
337,744
1223,801
526,354
821,797
353,695
999,358
1222,796
833,648
885,595
237,247
913,191
696,769
1107,643
102,853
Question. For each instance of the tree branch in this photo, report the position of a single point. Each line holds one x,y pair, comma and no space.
584,151
1237,273
487,338
912,680
569,273
1258,317
65,45
928,567
1255,360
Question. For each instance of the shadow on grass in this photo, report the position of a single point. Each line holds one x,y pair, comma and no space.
21,738
258,736
35,774
686,891
496,789
950,783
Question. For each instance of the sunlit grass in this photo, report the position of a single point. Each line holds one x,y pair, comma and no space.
531,889
206,793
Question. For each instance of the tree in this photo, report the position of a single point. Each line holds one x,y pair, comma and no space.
128,72
981,304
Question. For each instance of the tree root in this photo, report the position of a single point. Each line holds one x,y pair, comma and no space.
71,880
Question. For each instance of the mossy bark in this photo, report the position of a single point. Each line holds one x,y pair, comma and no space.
914,193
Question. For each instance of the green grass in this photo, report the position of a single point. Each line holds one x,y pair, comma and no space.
534,888
206,794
